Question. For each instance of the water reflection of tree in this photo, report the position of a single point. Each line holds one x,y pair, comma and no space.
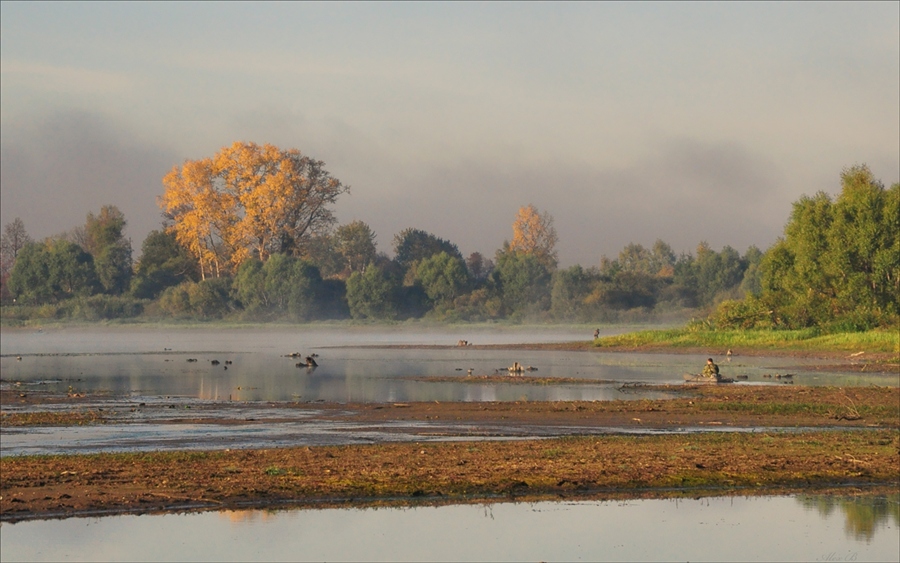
863,514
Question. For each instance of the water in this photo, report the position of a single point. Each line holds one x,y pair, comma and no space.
778,528
142,381
146,362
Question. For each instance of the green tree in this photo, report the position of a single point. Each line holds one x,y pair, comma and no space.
355,242
792,270
862,259
716,273
105,240
627,290
373,294
681,288
164,263
571,287
12,241
206,299
413,245
658,261
292,286
523,281
248,286
29,281
838,262
751,284
479,267
662,259
52,271
636,258
322,250
443,277
286,287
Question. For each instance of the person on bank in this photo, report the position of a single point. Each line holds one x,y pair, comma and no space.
711,369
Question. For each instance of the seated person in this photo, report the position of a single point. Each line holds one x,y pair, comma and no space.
710,369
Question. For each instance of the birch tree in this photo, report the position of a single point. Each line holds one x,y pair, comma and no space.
534,233
249,200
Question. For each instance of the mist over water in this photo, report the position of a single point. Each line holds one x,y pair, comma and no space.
356,364
265,339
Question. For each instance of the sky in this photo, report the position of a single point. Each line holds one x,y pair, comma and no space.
626,122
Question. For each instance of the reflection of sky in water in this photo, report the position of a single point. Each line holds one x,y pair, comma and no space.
717,529
145,361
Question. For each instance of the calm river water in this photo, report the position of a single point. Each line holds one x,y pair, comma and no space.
803,528
148,362
151,364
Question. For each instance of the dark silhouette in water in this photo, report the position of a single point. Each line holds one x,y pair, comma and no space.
309,363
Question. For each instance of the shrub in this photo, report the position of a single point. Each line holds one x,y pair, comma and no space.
746,314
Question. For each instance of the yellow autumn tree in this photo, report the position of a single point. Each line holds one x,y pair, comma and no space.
202,216
248,200
534,233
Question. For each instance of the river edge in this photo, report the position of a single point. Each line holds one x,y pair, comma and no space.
859,361
803,438
575,468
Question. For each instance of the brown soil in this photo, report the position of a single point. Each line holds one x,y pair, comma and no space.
859,445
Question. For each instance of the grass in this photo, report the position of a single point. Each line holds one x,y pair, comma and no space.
881,341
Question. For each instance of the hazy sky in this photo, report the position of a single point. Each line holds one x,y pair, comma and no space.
627,122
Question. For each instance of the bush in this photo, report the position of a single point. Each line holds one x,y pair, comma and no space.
746,314
207,299
104,307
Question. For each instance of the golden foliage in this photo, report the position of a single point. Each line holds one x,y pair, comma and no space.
533,233
248,200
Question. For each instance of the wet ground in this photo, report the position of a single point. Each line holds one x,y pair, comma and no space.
35,423
134,391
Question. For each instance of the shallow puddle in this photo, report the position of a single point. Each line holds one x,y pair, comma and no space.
779,528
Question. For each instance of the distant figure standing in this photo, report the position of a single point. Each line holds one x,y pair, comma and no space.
711,369
596,333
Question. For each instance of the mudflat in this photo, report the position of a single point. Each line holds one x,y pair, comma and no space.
781,438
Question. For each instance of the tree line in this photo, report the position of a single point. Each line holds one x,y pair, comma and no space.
249,234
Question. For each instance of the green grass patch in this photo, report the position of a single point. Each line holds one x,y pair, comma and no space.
884,341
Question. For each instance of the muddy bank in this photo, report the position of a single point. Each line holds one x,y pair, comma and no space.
577,467
859,445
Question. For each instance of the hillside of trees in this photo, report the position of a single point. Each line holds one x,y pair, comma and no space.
249,235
